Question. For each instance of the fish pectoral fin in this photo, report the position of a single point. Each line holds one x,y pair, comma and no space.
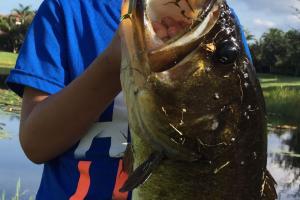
142,172
128,159
269,191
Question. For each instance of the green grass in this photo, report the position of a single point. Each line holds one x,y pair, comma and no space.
18,193
269,80
282,96
7,61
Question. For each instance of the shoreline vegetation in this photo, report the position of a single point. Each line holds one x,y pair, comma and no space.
282,96
18,194
7,58
9,102
7,61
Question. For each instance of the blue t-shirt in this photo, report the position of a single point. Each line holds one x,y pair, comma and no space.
64,38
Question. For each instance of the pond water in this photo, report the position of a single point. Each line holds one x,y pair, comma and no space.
283,162
13,163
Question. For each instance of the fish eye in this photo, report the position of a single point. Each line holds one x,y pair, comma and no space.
226,52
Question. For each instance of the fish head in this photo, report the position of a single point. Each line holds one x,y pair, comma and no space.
188,94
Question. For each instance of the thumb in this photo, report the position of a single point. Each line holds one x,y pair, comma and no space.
124,8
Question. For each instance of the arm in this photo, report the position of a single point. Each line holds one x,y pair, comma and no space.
52,124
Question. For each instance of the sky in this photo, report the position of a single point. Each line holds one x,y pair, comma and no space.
260,15
255,15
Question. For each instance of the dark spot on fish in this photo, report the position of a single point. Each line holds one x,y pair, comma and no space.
135,91
226,52
184,15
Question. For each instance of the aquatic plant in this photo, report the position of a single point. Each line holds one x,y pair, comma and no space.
9,101
3,133
18,193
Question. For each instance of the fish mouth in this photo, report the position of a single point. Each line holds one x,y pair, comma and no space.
198,16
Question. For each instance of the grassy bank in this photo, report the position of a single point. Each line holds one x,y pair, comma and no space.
9,102
282,95
7,61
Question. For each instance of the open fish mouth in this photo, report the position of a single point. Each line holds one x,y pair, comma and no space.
196,18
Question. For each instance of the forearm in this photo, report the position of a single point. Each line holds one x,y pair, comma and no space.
59,121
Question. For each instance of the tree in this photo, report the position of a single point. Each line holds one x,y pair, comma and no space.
249,36
277,52
273,49
292,57
24,13
14,27
13,35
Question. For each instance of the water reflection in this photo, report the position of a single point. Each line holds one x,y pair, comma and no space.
14,164
284,162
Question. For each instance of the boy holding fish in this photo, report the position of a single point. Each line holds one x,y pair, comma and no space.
73,116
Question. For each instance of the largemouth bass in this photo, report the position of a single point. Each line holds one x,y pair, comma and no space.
196,110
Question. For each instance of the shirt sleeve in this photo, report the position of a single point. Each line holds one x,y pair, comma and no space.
42,59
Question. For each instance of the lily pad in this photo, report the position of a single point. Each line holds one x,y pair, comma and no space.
9,102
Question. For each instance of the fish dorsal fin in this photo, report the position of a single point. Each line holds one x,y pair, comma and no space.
143,172
268,190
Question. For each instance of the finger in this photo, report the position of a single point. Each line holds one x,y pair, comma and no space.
160,30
